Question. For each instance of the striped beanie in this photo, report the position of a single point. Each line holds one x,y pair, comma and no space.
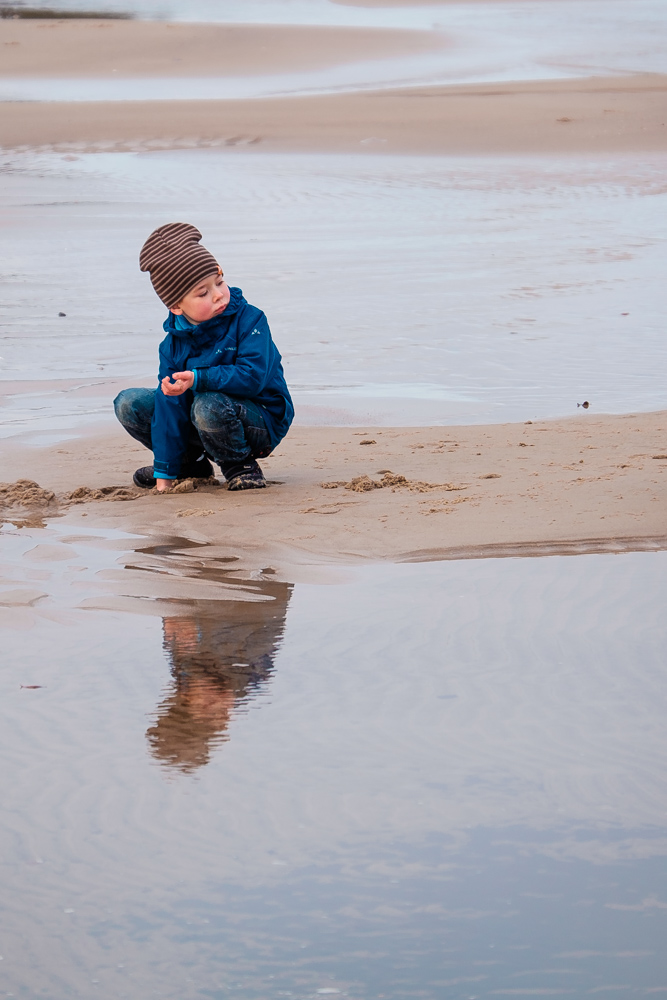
176,261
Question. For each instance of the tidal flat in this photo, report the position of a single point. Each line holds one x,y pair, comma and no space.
293,744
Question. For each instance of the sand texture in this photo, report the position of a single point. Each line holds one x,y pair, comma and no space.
340,495
593,115
146,48
407,493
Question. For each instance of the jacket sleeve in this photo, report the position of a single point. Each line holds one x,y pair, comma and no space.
171,424
253,368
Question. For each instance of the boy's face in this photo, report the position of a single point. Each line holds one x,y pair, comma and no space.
207,299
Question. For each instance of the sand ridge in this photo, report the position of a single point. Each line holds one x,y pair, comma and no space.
593,114
94,49
596,115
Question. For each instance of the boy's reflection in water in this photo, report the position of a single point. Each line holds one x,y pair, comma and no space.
219,659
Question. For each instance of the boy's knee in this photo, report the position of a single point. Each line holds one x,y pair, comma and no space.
211,409
121,404
129,403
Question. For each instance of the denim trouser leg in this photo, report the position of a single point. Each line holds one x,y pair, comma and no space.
230,429
134,409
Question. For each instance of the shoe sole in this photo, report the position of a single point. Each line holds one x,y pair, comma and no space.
245,484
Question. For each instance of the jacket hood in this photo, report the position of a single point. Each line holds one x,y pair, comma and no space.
236,300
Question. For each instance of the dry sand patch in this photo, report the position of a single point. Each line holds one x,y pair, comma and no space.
589,481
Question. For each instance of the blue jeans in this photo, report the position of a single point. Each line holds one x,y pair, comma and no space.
228,429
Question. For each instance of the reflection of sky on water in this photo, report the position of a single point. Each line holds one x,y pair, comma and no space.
399,289
455,772
587,20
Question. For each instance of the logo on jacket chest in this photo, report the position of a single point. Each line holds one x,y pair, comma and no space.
221,355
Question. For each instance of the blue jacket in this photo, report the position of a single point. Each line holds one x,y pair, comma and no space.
231,353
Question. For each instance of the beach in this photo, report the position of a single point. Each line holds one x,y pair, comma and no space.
392,726
581,113
607,114
343,495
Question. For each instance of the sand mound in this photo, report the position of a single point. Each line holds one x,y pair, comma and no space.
25,493
393,480
26,503
26,496
82,494
363,484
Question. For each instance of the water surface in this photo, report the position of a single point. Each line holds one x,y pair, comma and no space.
399,289
421,780
499,41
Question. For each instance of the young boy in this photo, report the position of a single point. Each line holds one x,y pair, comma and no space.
221,390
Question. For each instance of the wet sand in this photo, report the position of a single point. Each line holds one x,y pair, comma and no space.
598,112
591,483
587,480
241,757
400,290
93,49
595,115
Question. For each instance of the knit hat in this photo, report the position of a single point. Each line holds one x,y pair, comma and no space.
176,261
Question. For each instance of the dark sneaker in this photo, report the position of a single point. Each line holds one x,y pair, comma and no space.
143,478
244,476
201,468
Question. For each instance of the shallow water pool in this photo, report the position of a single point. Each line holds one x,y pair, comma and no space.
400,289
433,780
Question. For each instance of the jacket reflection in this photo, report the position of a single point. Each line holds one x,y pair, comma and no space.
218,660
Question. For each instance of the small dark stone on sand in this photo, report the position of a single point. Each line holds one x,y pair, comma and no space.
62,314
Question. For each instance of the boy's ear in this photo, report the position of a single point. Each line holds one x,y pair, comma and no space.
176,310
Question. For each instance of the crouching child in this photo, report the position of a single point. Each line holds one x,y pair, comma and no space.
221,392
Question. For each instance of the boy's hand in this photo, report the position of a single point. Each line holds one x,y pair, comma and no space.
183,382
164,485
